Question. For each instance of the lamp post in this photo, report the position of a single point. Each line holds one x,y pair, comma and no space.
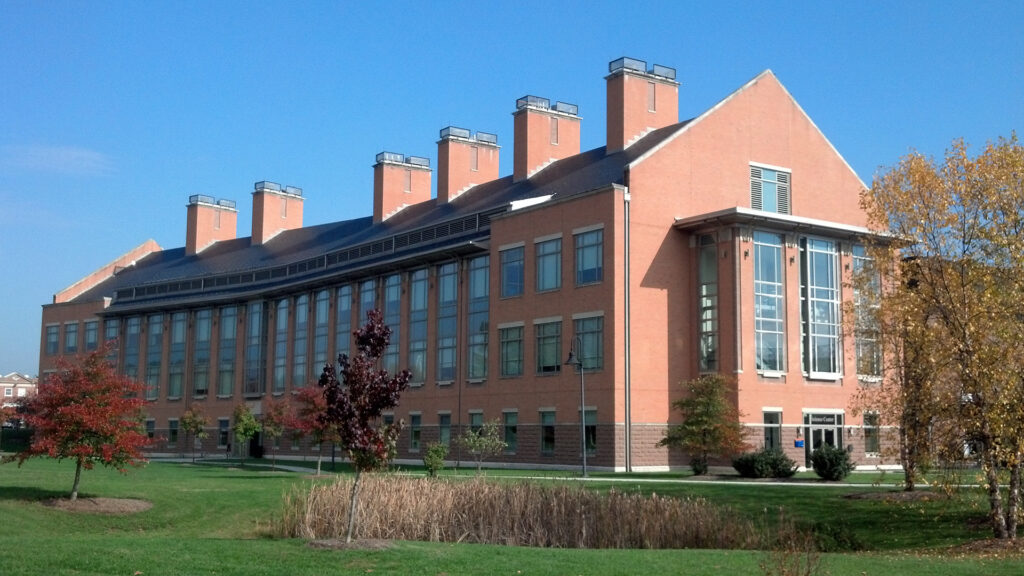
576,359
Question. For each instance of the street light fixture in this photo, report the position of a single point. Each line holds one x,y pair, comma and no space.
576,359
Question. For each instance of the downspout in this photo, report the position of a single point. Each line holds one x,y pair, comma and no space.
626,320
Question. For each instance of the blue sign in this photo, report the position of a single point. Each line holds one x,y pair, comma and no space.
798,443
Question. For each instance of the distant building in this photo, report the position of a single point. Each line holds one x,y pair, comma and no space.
14,387
721,243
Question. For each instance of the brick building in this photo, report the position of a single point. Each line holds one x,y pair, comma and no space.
720,243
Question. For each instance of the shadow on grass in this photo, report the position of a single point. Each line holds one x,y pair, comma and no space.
33,494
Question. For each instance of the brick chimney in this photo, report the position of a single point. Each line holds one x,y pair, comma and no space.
463,161
543,134
398,181
274,210
208,221
640,99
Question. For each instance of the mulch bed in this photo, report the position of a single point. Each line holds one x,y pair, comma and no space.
358,544
100,505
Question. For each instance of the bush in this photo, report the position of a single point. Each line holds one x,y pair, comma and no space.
831,463
765,463
434,457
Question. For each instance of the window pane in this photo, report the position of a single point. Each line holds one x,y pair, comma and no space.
512,272
549,265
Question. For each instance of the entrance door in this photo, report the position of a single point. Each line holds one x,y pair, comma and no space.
821,429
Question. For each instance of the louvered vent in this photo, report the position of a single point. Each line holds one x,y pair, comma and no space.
755,188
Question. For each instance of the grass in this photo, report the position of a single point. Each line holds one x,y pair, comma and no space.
214,520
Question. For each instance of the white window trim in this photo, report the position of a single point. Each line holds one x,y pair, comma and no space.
504,325
547,320
772,167
548,238
511,246
585,315
585,229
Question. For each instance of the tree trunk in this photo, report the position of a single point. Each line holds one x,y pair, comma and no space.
352,501
995,499
1013,501
319,457
78,477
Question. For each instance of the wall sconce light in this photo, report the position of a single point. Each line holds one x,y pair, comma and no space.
792,259
799,434
746,253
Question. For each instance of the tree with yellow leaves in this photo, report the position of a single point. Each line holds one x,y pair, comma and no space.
958,295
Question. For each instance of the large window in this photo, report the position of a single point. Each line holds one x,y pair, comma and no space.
223,428
866,293
591,333
367,299
300,342
92,336
547,432
768,302
415,422
226,351
549,265
444,428
447,301
819,293
154,354
343,322
71,338
281,346
511,350
393,319
202,337
418,325
176,357
111,327
589,257
590,431
479,316
512,272
769,190
255,349
707,303
52,340
321,323
549,347
132,336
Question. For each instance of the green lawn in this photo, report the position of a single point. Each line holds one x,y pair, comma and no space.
214,520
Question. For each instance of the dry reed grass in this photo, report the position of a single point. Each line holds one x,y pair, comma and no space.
519,514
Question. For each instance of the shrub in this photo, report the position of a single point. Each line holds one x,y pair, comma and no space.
434,457
765,463
831,463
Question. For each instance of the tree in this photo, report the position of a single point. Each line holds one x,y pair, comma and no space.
87,412
193,422
356,402
245,426
276,416
310,419
710,426
483,443
433,458
961,229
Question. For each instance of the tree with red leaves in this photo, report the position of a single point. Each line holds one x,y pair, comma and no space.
309,418
355,404
276,415
87,412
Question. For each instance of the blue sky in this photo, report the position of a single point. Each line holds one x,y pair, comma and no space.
112,114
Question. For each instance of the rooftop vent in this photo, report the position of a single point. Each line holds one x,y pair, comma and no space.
403,159
487,138
567,108
293,190
267,185
451,131
627,64
533,102
663,71
224,203
200,199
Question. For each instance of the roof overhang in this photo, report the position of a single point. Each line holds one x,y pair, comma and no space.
740,216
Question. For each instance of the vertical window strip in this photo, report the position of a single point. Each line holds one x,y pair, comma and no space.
300,342
111,328
321,324
820,307
768,302
511,424
71,338
343,321
52,340
202,338
418,299
707,303
281,346
255,349
547,432
511,351
176,356
549,346
367,299
591,334
154,354
772,429
478,317
447,302
866,293
393,319
226,351
549,265
132,336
